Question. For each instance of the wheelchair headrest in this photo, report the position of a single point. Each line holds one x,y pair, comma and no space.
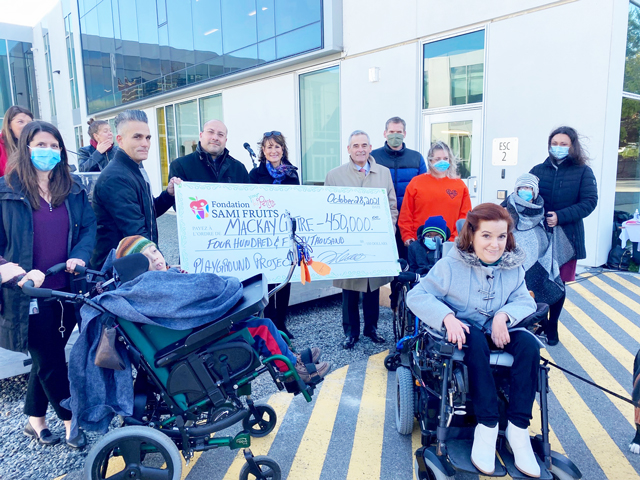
129,267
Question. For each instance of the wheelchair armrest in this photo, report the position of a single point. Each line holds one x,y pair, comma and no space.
542,309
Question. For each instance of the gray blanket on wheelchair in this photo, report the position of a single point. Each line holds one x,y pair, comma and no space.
168,299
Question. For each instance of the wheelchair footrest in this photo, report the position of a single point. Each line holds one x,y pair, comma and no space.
507,458
459,453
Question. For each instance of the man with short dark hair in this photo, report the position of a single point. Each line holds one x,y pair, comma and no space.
403,163
122,199
362,171
211,161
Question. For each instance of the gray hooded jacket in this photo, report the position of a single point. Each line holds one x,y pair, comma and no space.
461,285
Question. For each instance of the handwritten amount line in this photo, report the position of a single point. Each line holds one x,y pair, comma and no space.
299,233
285,247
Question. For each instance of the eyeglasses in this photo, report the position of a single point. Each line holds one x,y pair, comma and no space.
273,133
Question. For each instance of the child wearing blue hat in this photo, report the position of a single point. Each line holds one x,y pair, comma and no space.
422,253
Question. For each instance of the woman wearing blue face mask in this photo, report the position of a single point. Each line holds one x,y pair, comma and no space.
568,188
45,219
440,191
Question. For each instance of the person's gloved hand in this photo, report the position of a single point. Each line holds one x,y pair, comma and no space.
404,266
408,277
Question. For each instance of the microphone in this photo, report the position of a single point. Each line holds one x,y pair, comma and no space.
248,148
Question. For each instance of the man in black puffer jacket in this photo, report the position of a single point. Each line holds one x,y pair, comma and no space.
211,161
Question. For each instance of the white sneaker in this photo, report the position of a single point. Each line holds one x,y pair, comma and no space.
520,444
483,452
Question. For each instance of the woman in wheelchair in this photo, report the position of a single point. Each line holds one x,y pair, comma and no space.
478,293
267,339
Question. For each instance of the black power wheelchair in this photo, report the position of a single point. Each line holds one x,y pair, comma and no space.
189,384
432,386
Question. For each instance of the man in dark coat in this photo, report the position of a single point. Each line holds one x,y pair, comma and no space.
122,199
211,161
403,163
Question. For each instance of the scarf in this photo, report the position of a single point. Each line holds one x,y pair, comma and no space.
94,144
278,174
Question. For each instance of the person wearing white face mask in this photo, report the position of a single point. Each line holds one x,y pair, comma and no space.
440,191
568,187
546,248
45,219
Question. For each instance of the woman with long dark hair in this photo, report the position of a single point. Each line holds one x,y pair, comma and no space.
97,155
276,169
570,193
15,118
479,295
45,219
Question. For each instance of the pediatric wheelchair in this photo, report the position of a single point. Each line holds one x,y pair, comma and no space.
432,386
189,385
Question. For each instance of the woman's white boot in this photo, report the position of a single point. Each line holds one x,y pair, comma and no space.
520,444
483,452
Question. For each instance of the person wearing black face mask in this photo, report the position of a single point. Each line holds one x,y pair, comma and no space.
568,187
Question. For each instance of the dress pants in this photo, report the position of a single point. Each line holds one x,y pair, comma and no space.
351,313
49,380
523,379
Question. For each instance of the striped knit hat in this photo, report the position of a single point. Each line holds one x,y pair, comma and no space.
527,180
132,244
436,224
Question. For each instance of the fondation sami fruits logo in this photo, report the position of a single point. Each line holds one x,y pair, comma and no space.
200,208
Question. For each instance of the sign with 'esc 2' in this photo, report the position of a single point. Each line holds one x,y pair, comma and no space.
505,151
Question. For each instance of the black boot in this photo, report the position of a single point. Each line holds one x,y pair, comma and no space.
551,326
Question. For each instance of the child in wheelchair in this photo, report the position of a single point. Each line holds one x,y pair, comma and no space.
478,294
267,339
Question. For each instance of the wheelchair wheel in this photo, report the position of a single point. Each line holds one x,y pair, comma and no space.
263,424
269,469
558,474
133,452
392,362
434,474
404,401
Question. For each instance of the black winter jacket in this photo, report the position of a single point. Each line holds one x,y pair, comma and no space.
124,206
421,259
199,167
261,175
571,191
404,164
91,160
16,245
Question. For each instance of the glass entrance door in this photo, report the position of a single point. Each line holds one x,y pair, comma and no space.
462,131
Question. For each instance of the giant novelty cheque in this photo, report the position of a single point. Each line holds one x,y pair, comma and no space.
242,230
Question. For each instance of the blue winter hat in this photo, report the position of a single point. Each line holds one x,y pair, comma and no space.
436,224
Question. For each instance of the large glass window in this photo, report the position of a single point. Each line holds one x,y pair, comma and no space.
162,143
5,91
210,109
79,138
71,59
47,59
628,171
187,127
453,71
132,49
319,124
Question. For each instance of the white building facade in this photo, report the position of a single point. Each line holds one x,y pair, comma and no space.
474,74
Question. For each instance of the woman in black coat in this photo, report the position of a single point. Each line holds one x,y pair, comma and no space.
276,169
570,193
97,155
45,219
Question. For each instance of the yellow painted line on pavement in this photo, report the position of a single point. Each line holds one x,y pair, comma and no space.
610,458
367,441
186,469
312,451
623,322
595,370
618,295
601,336
632,287
260,446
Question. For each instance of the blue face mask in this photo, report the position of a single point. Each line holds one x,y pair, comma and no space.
559,152
526,195
45,159
441,165
430,243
